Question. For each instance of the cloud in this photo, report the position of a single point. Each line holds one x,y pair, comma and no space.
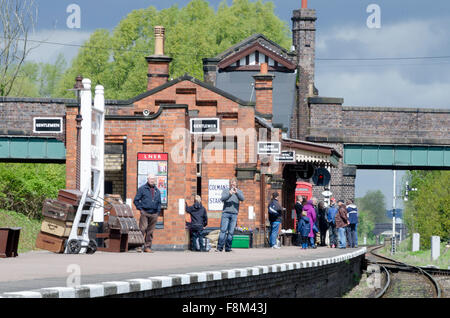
410,83
47,53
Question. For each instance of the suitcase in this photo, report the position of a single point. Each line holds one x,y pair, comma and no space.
56,227
132,224
117,223
120,210
50,243
72,197
135,238
58,210
113,198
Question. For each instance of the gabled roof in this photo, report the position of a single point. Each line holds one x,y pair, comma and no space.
256,42
185,77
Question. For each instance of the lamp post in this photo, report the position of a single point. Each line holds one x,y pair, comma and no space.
77,88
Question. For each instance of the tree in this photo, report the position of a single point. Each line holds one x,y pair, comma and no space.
375,203
427,209
117,60
17,19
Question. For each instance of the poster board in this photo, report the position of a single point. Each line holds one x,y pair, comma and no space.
215,188
158,165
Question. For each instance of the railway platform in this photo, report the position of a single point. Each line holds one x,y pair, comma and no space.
29,273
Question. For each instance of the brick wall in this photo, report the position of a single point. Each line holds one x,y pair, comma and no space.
331,280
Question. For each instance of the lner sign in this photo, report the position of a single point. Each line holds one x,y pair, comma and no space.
48,125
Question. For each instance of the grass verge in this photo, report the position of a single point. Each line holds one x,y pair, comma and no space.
29,231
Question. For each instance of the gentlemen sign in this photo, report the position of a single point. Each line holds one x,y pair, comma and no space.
285,156
205,126
48,125
269,148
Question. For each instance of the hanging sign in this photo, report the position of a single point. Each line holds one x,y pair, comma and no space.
269,148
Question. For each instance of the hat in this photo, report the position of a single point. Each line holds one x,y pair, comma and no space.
333,199
341,201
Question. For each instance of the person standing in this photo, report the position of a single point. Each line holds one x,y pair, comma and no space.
322,221
341,223
148,202
199,220
230,198
311,214
303,229
352,211
275,219
332,210
299,208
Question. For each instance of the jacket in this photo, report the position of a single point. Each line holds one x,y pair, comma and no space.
311,214
303,226
275,211
199,217
231,202
332,210
322,219
145,202
341,217
298,210
352,211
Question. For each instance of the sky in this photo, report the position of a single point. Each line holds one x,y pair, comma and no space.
407,29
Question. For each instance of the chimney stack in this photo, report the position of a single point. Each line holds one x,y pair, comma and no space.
158,64
304,40
263,93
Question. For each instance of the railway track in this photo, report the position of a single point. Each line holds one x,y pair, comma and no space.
403,280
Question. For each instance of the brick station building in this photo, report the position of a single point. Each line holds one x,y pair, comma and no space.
152,132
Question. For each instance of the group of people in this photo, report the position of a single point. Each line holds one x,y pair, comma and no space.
339,220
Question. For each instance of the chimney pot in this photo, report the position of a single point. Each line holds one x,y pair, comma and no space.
304,4
159,40
264,68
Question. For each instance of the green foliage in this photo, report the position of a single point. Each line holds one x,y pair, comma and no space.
117,60
29,231
24,186
39,79
427,211
371,210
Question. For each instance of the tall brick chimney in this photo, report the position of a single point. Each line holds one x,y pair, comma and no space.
304,41
158,64
263,92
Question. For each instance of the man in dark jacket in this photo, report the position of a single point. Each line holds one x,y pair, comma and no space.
275,219
199,219
352,211
341,223
148,201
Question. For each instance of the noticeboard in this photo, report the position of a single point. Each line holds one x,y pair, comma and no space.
158,165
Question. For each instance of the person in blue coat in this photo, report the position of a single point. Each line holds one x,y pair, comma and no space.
199,220
303,229
352,211
331,213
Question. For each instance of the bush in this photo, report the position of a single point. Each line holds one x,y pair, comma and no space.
24,186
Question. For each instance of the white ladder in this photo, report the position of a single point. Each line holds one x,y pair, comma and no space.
78,241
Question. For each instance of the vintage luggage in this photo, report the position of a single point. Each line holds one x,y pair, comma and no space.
72,197
50,243
120,210
135,238
117,223
58,210
56,227
114,241
113,198
9,241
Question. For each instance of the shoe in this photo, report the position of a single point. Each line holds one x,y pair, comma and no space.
147,250
139,249
217,250
228,251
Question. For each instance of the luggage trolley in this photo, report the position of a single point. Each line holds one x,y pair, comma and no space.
78,241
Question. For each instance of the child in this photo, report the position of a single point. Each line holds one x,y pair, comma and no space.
303,229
